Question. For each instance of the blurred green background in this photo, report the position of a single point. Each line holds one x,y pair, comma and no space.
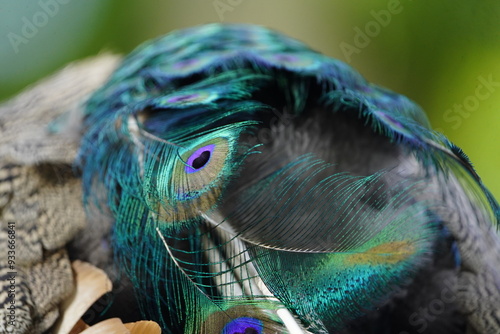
442,54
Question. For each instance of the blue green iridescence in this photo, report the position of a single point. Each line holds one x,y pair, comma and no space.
178,92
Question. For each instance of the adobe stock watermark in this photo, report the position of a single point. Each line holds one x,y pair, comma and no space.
32,25
421,319
10,320
283,118
363,37
266,134
460,111
223,6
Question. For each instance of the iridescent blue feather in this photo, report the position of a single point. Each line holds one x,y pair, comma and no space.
224,230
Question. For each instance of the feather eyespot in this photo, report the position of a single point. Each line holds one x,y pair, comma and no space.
188,99
243,325
200,169
199,159
244,319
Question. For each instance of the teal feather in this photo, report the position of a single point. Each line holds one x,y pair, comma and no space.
222,232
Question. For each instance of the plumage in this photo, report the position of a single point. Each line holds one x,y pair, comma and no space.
253,185
40,195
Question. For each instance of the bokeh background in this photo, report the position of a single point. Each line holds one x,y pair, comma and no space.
445,55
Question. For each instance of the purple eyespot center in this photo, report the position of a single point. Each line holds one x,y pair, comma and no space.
185,63
199,159
182,98
286,58
243,325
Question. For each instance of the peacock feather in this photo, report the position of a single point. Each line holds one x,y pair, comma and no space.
257,186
